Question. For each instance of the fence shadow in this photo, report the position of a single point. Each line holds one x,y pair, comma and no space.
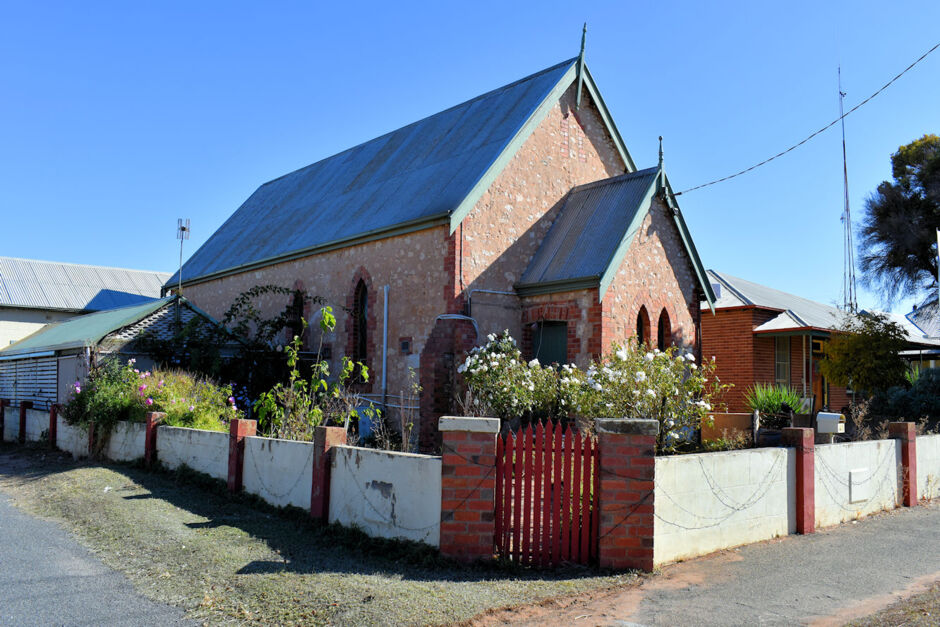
305,546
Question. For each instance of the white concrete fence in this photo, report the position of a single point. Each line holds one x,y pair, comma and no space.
702,503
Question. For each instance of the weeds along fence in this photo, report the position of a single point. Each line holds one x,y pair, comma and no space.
491,494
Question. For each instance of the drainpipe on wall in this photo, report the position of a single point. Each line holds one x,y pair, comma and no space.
385,347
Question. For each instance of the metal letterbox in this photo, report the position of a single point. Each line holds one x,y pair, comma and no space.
830,422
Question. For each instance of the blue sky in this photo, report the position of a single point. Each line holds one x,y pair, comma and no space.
118,118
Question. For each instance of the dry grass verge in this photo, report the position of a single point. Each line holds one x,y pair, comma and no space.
922,610
182,540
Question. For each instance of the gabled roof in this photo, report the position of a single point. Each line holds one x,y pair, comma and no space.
32,284
796,313
90,329
927,319
595,227
736,292
430,172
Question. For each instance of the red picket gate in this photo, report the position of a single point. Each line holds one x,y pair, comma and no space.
547,489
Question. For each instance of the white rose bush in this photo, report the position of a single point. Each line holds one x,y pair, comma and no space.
630,382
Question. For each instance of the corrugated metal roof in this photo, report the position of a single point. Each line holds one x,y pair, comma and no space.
54,285
82,331
927,319
589,229
736,292
421,171
796,312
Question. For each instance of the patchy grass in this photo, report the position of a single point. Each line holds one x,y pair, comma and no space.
920,610
181,539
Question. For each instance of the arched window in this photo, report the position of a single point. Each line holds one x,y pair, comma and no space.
642,326
664,332
360,314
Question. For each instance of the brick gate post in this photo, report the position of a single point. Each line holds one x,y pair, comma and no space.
906,432
803,440
24,405
324,438
53,424
627,473
153,418
239,429
468,487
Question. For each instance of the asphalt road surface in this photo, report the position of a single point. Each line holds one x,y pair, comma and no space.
47,578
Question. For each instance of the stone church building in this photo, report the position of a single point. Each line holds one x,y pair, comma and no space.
520,209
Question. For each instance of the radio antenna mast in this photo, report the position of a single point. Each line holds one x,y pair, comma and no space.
849,302
182,234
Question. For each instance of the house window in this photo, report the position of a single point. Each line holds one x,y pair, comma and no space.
360,314
642,326
782,361
663,331
550,342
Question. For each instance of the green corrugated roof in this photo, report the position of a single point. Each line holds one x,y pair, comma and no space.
83,331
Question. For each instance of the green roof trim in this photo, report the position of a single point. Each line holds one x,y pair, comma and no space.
578,71
621,252
686,236
551,287
82,331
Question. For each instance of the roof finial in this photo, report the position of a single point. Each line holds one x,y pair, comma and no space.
577,99
660,152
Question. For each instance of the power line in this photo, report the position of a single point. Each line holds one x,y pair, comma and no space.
823,129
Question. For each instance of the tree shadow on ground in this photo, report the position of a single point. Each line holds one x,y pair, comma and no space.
304,545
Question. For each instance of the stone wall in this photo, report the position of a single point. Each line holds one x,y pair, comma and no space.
656,273
504,229
411,265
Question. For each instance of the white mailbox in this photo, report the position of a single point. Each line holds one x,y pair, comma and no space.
829,422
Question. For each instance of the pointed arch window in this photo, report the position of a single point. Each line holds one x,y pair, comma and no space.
642,326
360,314
664,331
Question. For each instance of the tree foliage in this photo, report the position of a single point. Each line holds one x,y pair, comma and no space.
865,354
898,235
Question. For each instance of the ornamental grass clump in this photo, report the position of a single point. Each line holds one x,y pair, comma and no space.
774,402
116,391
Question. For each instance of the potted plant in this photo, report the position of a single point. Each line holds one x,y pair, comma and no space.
775,405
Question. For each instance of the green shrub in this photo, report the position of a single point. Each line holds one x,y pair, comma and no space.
769,400
631,382
115,392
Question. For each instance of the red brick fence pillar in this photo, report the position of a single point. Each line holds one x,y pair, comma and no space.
3,407
153,418
906,432
803,440
324,439
53,424
468,487
627,473
239,429
24,405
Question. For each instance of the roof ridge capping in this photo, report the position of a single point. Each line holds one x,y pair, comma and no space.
620,178
80,265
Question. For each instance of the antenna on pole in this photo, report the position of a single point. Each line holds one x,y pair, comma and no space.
849,302
182,234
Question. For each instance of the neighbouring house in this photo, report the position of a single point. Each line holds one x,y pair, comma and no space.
927,319
762,335
520,209
36,293
43,367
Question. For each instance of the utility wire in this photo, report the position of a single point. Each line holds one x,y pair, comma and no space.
825,128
